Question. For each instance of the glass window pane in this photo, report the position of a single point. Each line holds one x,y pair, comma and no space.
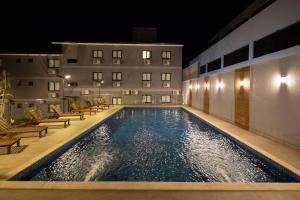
95,76
163,76
51,63
95,54
148,77
51,86
119,54
168,77
99,76
57,86
119,76
168,99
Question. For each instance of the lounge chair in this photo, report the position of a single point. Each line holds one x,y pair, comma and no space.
38,118
77,109
91,105
101,103
6,129
9,143
59,113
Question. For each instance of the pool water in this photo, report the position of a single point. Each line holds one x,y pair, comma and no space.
147,144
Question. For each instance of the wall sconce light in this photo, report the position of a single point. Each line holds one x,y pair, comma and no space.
67,76
219,85
284,80
206,85
197,86
242,83
191,87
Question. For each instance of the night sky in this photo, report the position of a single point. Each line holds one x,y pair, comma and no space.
32,28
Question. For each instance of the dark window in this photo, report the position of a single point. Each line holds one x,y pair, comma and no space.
31,105
30,60
19,105
237,56
18,60
30,83
19,83
282,39
72,60
73,84
202,69
214,65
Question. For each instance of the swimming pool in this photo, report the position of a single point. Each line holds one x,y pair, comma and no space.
156,144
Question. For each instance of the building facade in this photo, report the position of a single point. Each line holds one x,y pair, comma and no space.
119,73
251,76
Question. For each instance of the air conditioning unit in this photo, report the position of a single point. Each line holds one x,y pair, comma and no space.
146,61
116,61
175,92
146,84
127,92
116,84
85,92
53,95
166,84
166,62
52,71
134,92
96,61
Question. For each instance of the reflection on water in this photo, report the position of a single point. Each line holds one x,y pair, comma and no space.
157,145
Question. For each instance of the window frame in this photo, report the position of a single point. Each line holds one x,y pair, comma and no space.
97,53
97,76
165,79
146,97
148,57
165,98
56,63
147,73
117,79
55,83
118,51
166,57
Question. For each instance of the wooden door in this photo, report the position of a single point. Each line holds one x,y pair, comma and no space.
206,95
242,94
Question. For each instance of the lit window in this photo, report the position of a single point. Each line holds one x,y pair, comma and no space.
146,54
166,55
147,99
166,99
53,86
117,53
97,53
97,76
146,76
166,76
117,76
53,63
116,100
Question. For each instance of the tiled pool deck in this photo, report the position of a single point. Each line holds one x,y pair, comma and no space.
39,147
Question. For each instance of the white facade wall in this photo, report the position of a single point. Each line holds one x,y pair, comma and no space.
274,107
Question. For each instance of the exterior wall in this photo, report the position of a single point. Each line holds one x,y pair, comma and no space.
274,107
221,100
27,95
255,28
131,68
190,72
131,54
